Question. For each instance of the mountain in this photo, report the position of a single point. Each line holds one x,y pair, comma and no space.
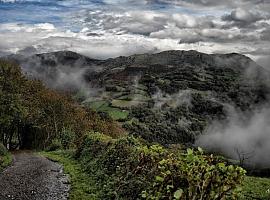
59,70
168,97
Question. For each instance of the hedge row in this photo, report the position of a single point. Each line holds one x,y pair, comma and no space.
128,168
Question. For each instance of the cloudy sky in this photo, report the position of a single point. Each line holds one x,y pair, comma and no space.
110,28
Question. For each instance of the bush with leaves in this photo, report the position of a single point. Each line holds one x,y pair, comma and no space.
128,168
5,157
194,175
67,138
55,145
3,150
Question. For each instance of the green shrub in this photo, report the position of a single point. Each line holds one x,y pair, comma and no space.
127,168
92,145
67,138
5,157
195,176
55,145
3,150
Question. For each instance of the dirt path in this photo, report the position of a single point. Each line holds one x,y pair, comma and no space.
33,177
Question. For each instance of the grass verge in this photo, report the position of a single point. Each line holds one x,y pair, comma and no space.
82,186
256,188
5,161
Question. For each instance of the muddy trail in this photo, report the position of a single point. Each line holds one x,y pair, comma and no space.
33,177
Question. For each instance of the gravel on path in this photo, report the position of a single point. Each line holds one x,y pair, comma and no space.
33,177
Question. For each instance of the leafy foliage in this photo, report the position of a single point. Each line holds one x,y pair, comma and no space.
67,136
128,168
32,116
168,125
5,157
55,145
3,150
195,176
174,125
11,105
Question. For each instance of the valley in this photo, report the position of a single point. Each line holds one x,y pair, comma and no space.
134,100
168,97
131,127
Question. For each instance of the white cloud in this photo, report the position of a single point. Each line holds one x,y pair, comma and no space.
116,29
45,38
264,61
209,4
250,136
246,17
17,37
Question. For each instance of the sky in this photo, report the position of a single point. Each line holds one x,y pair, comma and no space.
110,28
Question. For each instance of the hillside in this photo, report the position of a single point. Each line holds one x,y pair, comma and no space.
168,97
105,163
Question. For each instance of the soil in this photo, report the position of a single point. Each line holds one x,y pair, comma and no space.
33,177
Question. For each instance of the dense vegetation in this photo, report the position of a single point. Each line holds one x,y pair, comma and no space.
33,116
168,97
120,166
127,168
5,157
189,98
172,96
179,124
84,187
256,188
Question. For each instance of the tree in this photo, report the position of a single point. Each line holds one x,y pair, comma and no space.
12,110
32,116
243,157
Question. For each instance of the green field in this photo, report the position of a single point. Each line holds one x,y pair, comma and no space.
98,105
124,103
117,103
134,97
104,106
117,114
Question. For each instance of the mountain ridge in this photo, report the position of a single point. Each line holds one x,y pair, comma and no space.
167,97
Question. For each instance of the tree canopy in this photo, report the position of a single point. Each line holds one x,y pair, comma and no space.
32,116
